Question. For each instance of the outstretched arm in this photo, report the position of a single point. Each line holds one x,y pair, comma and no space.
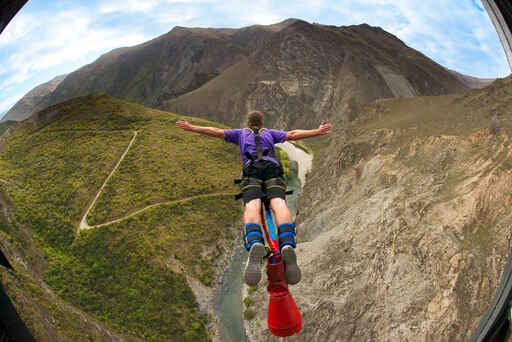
211,131
298,134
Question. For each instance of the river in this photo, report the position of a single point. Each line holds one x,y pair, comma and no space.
228,302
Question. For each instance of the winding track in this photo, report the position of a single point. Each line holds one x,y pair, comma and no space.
136,212
83,221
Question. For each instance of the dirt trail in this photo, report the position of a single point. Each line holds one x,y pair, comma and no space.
85,225
83,221
11,184
161,203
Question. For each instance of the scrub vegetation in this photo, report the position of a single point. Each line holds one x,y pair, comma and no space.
132,274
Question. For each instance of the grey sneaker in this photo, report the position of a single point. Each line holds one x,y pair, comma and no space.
291,268
252,273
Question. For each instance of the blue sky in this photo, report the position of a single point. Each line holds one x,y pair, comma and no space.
53,37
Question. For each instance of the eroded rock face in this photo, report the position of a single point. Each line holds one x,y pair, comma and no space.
404,224
410,248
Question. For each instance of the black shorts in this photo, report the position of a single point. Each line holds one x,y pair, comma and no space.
263,179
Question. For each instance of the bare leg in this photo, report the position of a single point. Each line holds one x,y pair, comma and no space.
252,213
281,212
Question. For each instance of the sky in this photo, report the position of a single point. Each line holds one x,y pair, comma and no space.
48,38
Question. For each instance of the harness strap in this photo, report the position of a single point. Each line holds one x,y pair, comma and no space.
277,182
248,182
259,150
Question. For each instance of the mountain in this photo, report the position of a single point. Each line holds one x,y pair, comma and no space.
404,223
472,82
296,72
165,67
149,252
309,72
32,100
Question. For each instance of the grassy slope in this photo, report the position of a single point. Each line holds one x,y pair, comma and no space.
130,274
165,164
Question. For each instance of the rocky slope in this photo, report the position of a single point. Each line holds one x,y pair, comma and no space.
308,72
32,100
405,223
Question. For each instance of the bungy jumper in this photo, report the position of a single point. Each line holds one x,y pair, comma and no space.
284,318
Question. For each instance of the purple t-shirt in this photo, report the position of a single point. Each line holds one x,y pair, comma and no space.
244,138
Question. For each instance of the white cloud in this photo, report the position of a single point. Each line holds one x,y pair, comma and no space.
143,6
64,38
456,34
179,16
18,28
7,103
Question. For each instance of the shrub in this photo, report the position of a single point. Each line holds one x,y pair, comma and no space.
248,314
247,301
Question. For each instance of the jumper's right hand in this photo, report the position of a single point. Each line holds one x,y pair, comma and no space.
324,128
182,123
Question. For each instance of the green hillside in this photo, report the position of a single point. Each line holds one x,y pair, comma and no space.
131,274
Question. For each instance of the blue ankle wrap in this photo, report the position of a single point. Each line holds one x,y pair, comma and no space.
252,234
286,233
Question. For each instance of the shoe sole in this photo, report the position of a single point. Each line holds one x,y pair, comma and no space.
292,270
252,273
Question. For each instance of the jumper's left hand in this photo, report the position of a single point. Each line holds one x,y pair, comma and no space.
182,123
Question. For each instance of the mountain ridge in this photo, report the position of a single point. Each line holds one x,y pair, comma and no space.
157,72
307,73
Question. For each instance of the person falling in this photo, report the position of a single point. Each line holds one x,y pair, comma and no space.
262,176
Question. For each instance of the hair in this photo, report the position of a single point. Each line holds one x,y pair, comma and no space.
255,118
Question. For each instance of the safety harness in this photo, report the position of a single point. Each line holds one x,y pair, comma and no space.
259,150
252,231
